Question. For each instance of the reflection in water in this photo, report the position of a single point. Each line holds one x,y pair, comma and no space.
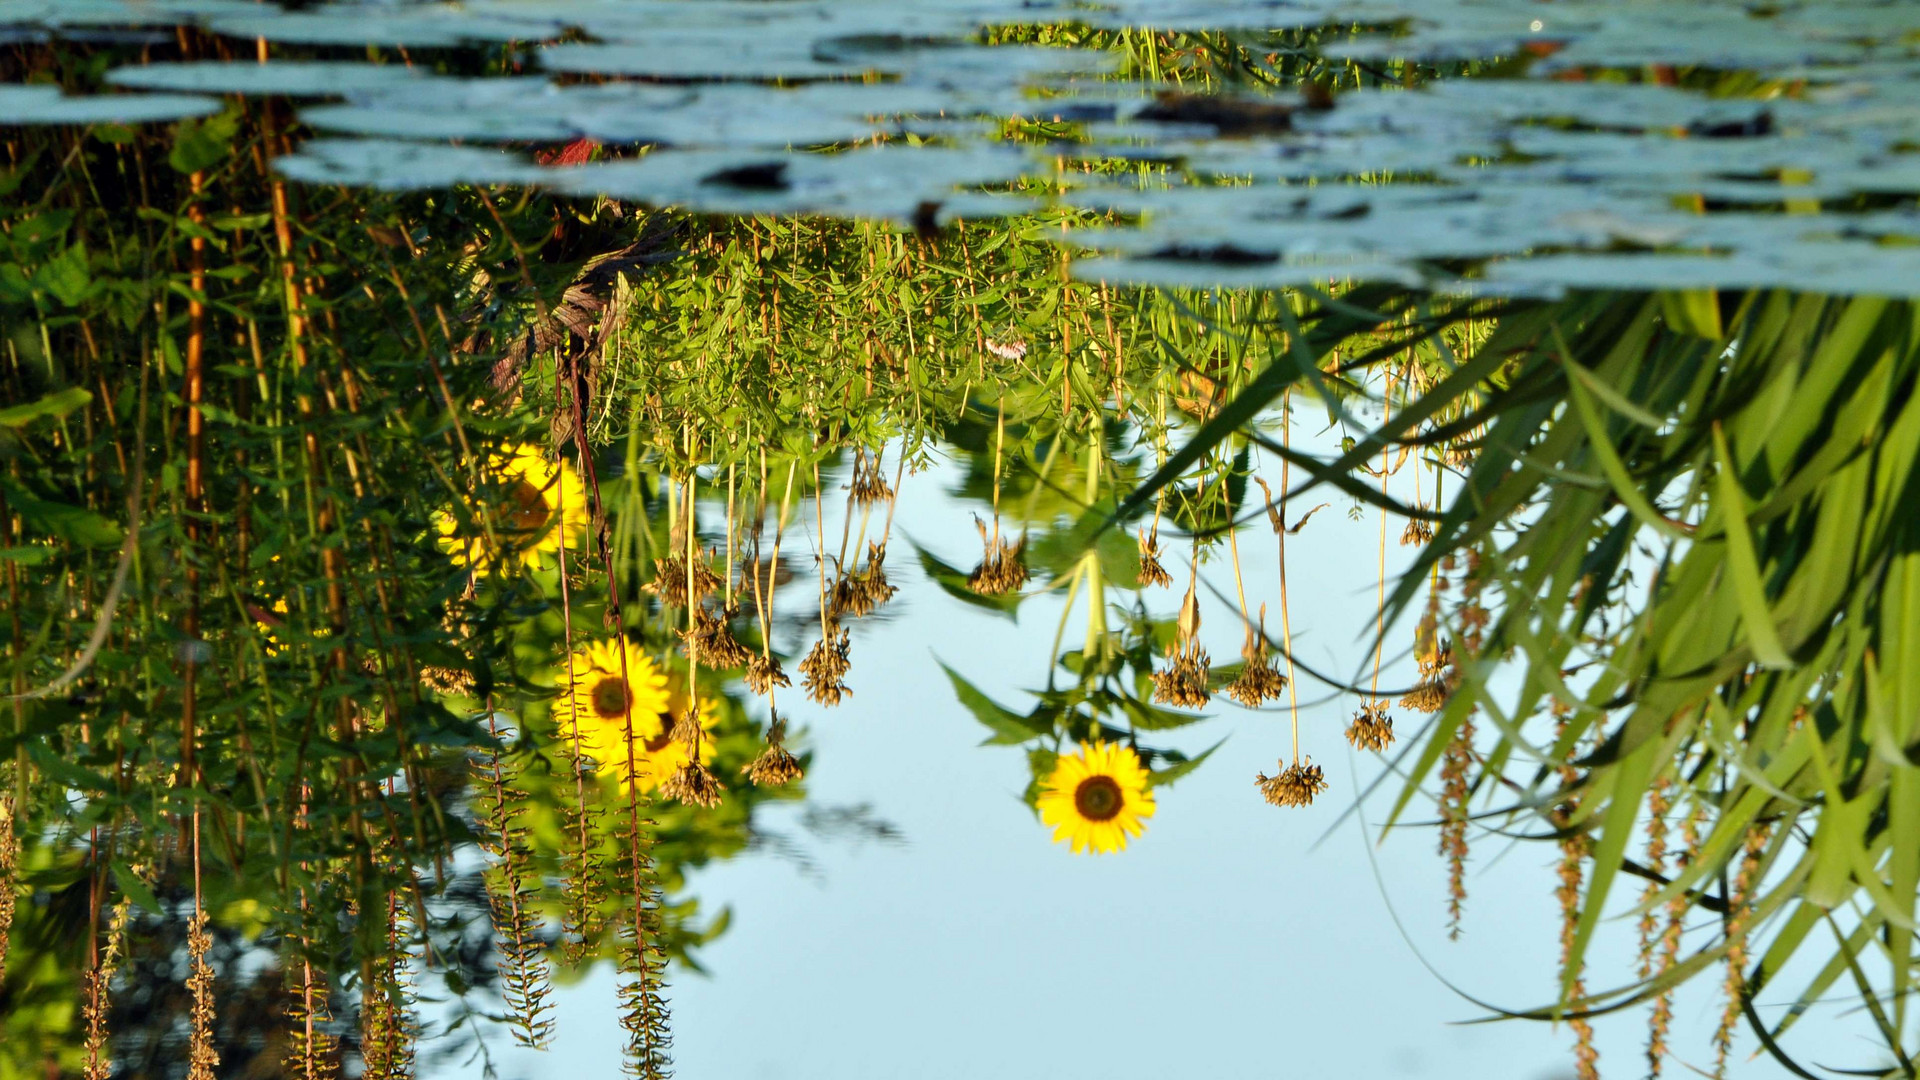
390,574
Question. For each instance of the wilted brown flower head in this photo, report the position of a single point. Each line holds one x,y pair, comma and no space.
1435,659
764,673
1151,572
861,592
685,728
1183,682
825,666
868,486
670,580
1428,697
708,642
1259,680
1003,569
775,766
1372,728
452,682
694,785
1418,531
1296,785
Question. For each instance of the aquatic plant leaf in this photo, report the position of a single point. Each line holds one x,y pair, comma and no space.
292,78
58,403
25,105
1165,777
1009,728
403,166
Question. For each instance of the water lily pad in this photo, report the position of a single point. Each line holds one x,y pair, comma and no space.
403,166
293,78
46,105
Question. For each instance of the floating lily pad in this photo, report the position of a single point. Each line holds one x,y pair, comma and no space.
24,105
404,166
293,78
881,182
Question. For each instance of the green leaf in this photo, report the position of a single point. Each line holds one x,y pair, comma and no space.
1742,565
1009,728
1693,311
953,582
201,144
65,275
1165,777
74,524
1624,486
58,403
1149,717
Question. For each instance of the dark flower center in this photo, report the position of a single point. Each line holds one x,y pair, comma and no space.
1098,798
659,742
610,697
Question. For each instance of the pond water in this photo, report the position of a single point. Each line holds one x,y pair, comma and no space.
1139,538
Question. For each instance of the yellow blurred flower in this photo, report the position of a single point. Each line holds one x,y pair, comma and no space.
527,521
599,703
1097,798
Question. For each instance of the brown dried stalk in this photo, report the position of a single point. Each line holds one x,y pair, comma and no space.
1575,846
524,972
1746,881
1661,1020
643,1002
201,1055
98,987
311,1050
1455,778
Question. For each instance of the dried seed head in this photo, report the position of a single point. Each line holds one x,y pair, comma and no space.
824,668
861,592
694,785
1418,531
775,766
868,486
1259,680
1428,697
708,642
1003,568
201,1055
1372,728
685,729
1183,682
1152,574
452,682
9,859
764,673
670,581
1296,785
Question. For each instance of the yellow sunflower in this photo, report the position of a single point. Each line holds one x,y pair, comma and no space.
526,520
599,703
1097,798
